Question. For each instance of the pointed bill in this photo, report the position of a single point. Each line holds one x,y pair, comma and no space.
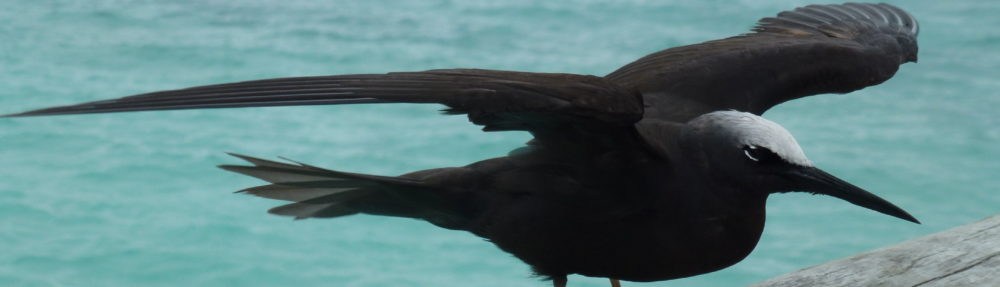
816,180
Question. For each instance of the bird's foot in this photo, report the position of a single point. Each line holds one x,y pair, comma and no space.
559,281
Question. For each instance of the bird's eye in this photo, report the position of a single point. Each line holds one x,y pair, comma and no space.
760,154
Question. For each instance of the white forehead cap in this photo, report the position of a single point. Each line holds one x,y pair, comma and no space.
746,129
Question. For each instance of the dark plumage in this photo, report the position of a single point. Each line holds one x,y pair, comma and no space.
649,173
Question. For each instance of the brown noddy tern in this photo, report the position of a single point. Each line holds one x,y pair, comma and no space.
656,171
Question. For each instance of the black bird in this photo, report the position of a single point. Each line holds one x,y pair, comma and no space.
659,170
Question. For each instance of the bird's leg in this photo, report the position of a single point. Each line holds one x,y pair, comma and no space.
615,283
559,281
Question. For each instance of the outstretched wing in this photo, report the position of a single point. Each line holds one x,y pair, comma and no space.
810,50
542,103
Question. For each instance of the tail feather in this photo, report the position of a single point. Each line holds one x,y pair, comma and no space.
294,193
278,175
306,210
318,192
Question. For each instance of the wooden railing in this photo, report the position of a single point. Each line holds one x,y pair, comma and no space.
967,255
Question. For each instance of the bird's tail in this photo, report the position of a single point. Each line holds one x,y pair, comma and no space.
324,193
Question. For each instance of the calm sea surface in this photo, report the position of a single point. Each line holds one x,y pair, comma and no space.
135,200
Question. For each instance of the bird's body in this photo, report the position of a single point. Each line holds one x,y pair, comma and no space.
595,216
659,170
644,231
589,218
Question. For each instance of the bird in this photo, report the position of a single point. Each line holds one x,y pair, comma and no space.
658,170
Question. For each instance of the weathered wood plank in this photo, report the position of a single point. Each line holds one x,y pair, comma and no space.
967,255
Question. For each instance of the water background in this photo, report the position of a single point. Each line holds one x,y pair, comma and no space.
134,199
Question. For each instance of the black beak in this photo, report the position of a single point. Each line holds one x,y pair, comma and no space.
812,179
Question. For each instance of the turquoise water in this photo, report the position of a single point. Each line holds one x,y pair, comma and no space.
135,200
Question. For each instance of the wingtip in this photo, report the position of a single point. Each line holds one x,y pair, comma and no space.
50,111
825,18
18,115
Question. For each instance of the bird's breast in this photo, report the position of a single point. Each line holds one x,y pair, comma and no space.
678,248
645,246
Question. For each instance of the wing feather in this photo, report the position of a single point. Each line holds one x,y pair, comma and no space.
806,51
542,103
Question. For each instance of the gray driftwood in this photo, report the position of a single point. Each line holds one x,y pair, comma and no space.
967,255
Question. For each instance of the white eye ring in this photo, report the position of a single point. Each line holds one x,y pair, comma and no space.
747,152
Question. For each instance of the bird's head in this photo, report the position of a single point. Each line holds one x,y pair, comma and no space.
754,154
